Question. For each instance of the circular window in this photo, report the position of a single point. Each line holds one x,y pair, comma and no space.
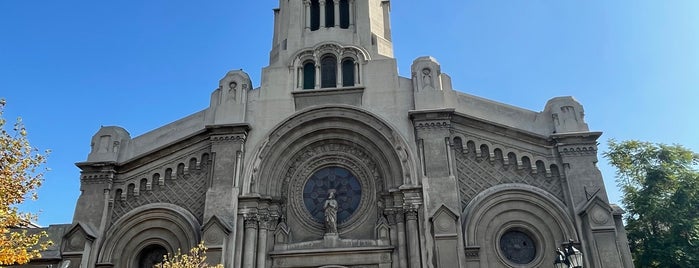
348,192
517,247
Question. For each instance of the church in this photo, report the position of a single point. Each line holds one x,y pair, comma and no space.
337,161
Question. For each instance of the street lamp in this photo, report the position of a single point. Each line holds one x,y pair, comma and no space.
569,257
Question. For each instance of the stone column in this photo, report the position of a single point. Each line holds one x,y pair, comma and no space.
413,239
402,251
351,12
337,13
317,75
322,13
356,74
298,74
262,242
307,5
393,232
240,228
250,241
339,70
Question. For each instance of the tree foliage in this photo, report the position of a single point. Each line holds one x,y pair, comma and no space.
660,185
195,259
20,176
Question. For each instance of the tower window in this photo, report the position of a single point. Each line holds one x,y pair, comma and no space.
315,15
328,71
348,72
329,13
344,14
309,75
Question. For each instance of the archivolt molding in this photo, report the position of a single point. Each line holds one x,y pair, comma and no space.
322,123
167,225
499,203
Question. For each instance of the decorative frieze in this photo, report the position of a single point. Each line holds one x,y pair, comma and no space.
475,175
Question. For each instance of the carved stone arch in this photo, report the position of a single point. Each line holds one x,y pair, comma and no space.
333,137
520,208
166,225
463,139
344,118
298,58
532,163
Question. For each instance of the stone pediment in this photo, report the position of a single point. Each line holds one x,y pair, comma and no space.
76,238
598,213
215,231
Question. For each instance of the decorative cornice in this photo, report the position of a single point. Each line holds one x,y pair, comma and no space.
433,124
578,150
97,177
232,138
472,252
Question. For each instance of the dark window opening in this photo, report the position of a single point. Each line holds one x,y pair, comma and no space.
348,73
328,72
329,13
151,255
315,15
344,14
309,75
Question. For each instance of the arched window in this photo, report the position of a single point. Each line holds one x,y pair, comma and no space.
348,72
315,15
328,71
329,13
309,75
344,14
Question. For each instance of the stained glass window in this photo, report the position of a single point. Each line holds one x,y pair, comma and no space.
348,192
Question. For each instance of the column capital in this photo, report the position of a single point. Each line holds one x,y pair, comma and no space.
250,220
411,214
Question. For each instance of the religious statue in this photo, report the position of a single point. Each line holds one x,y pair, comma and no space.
330,208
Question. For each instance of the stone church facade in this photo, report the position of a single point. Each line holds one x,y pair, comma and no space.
422,175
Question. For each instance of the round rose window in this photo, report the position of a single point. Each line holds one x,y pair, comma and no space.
517,247
348,192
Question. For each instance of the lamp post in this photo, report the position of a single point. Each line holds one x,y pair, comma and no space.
568,257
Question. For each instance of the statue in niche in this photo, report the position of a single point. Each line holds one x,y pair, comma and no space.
427,78
232,87
330,208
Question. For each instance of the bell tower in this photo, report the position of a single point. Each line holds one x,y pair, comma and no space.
302,24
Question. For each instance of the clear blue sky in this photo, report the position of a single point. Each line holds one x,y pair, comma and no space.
68,67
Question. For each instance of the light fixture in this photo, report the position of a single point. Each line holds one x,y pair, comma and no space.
568,257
